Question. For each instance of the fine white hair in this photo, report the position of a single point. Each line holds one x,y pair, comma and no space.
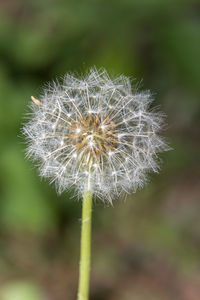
95,133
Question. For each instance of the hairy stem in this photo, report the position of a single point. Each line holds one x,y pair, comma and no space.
84,271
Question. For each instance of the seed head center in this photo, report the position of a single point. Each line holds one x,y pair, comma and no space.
94,136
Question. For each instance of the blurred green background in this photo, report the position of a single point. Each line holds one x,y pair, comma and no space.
147,247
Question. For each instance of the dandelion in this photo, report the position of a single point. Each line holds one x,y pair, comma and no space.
98,135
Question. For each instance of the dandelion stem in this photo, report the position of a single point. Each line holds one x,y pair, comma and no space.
84,271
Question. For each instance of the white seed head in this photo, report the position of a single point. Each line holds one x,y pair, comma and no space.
96,130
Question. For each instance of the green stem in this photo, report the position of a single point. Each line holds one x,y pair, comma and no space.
84,271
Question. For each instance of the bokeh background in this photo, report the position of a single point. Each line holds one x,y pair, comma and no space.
147,247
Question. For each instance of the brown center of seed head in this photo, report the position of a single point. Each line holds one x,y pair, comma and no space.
94,137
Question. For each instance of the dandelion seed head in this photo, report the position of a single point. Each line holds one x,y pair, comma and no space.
96,130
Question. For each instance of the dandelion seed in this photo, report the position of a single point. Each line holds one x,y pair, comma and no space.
97,129
36,101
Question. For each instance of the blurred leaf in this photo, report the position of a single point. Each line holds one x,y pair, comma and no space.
23,206
21,290
180,50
